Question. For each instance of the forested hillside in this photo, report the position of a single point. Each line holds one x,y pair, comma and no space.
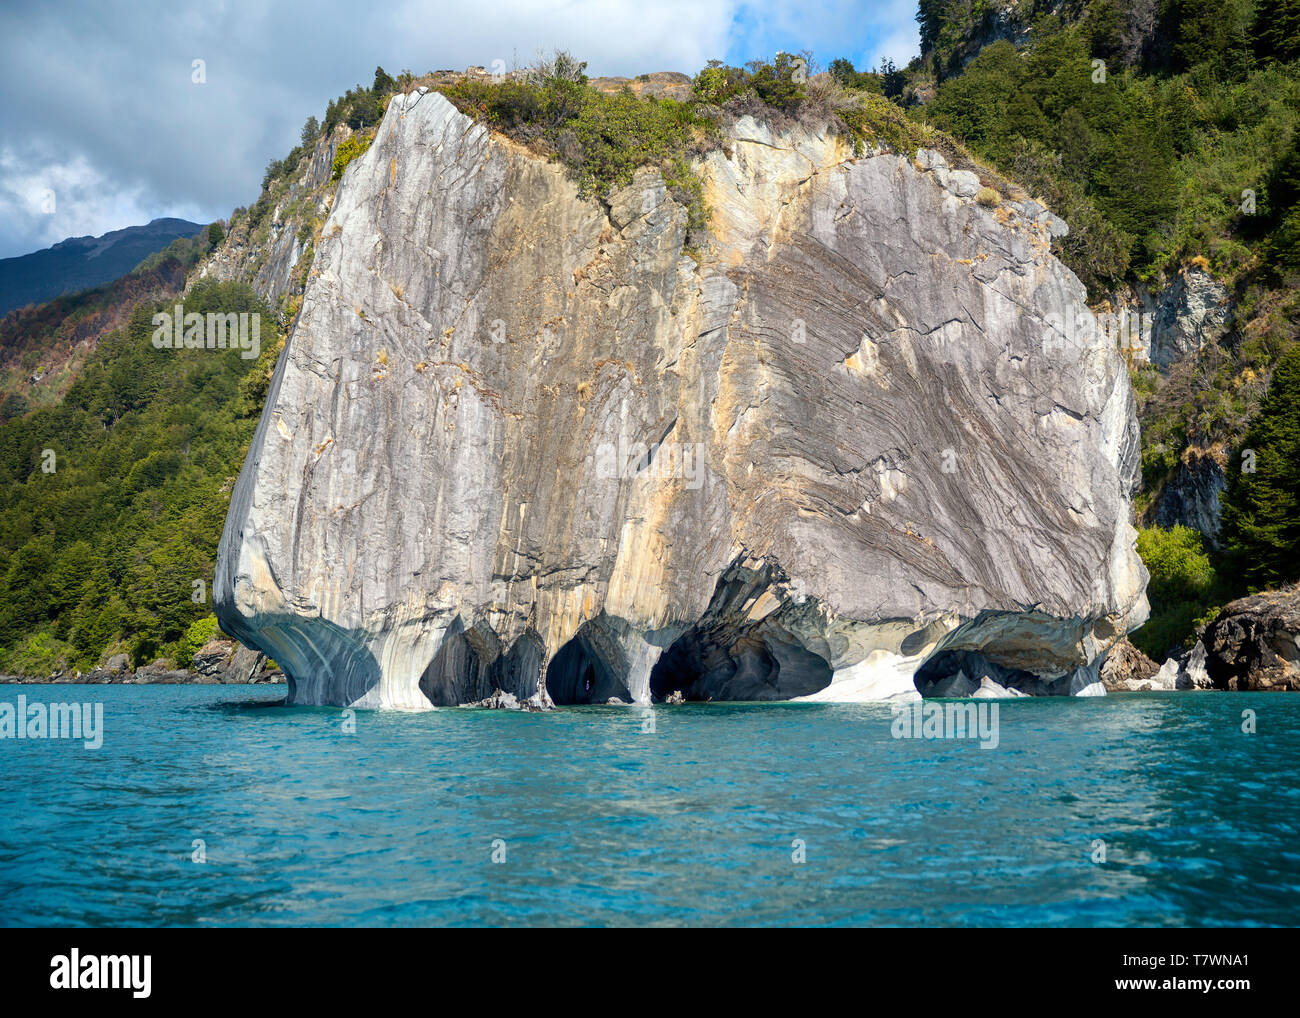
43,346
112,501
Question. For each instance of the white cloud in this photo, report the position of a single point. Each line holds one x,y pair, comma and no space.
45,199
99,102
899,38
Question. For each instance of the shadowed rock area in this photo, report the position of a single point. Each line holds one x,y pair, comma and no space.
1254,643
522,442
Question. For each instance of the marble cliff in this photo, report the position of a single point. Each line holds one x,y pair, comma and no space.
851,447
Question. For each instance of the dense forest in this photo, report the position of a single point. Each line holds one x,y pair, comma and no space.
1166,132
113,500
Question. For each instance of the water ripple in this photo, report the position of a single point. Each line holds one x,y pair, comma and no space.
697,823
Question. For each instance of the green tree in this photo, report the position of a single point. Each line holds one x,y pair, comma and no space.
892,79
1277,28
1261,512
1182,584
1216,34
1135,184
310,132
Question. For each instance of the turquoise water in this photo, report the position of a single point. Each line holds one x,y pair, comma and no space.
604,823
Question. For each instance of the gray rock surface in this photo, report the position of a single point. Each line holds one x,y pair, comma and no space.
1176,320
1167,676
225,661
1195,309
1188,669
521,442
963,183
1191,496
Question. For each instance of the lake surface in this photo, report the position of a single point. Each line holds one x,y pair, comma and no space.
698,822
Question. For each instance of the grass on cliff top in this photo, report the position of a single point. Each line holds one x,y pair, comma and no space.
604,138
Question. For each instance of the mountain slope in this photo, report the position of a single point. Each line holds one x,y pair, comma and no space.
80,263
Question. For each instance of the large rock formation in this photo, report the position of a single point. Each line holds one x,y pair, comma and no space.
1254,643
1190,497
522,441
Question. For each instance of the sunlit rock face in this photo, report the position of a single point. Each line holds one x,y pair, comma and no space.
521,441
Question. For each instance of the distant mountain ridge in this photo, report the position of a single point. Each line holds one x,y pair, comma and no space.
79,263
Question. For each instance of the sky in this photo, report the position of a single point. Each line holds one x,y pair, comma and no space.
104,123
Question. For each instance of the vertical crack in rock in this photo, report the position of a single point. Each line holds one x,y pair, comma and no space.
518,441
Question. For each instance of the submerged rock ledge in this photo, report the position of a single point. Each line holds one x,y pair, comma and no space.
519,441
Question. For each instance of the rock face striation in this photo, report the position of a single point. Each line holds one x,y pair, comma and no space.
520,441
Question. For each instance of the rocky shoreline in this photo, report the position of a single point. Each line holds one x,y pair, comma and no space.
1253,645
218,662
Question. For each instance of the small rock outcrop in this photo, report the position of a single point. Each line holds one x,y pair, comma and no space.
1195,309
1254,643
524,442
1127,669
218,662
1191,496
226,661
1167,325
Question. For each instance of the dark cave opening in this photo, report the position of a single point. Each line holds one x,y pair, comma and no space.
753,666
458,675
958,673
578,675
454,676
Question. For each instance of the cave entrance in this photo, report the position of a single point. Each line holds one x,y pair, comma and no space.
471,664
578,674
959,673
454,676
756,665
